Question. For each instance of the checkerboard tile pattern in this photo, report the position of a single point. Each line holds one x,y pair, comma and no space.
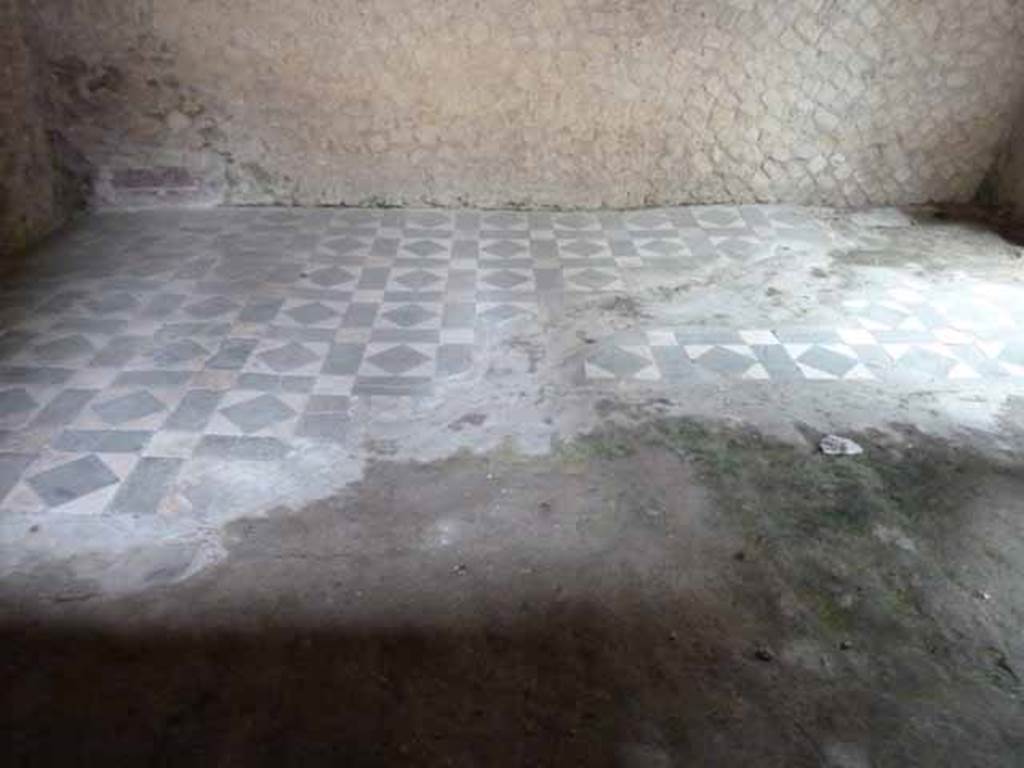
901,336
141,344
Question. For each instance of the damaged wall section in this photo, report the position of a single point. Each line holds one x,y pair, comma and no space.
533,102
1011,176
29,208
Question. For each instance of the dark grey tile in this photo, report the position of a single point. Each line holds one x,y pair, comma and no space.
623,248
454,359
194,411
430,297
539,220
163,304
465,249
617,361
65,349
331,277
264,382
398,360
215,306
153,379
777,363
63,408
360,315
232,355
406,335
461,281
12,465
458,314
314,313
392,385
673,363
73,480
258,413
384,247
543,249
288,357
409,315
38,376
178,353
101,325
327,404
242,448
101,441
467,221
260,310
15,402
331,427
725,361
130,407
144,489
343,359
708,335
287,333
119,351
826,360
196,269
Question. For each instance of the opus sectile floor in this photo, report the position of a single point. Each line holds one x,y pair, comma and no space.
141,342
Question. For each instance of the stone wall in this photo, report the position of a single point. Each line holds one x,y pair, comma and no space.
533,102
28,207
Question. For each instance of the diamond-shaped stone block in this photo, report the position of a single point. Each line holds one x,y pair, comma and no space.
72,480
398,360
258,413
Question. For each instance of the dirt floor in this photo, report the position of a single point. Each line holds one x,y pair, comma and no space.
661,592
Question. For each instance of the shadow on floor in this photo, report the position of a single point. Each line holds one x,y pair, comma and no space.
578,688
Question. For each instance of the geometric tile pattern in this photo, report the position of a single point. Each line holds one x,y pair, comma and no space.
236,335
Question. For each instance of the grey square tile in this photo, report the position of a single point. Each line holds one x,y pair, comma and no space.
177,353
398,359
289,357
827,360
344,358
130,407
264,382
232,355
258,413
215,306
242,448
327,404
331,427
312,313
144,489
72,480
194,411
454,359
618,361
12,466
459,315
101,441
260,310
119,351
62,409
725,361
64,349
16,402
360,315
